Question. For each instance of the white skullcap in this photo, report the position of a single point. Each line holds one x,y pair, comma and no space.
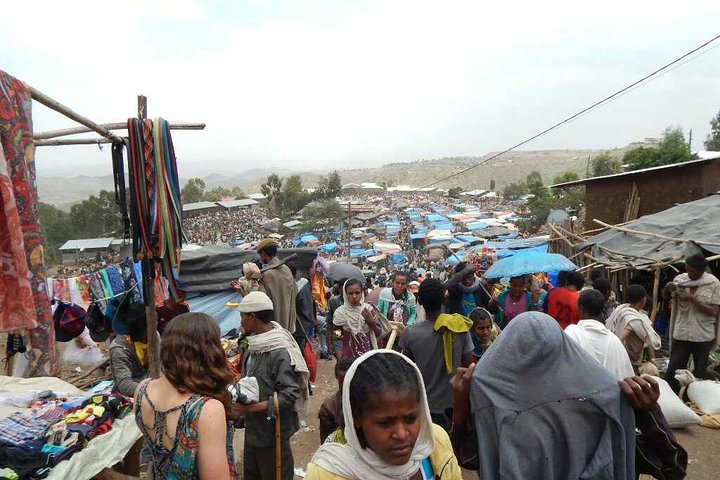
255,302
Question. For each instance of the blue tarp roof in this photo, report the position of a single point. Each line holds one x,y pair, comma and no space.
214,305
329,247
453,259
444,226
469,239
397,257
308,238
432,218
417,236
475,225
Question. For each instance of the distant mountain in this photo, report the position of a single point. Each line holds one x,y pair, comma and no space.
510,167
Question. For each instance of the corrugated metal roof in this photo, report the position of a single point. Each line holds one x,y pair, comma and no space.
243,202
634,172
189,207
87,243
257,196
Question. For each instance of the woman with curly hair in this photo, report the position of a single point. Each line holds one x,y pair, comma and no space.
186,415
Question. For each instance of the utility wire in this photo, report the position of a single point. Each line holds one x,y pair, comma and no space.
581,112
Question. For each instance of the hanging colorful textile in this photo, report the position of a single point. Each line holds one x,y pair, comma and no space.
22,305
156,210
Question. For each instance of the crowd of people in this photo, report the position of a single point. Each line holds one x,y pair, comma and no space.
228,227
432,375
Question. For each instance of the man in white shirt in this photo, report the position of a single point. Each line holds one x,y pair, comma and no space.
696,305
598,341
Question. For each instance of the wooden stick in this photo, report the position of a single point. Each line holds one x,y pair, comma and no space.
60,108
391,339
278,456
655,235
87,374
594,230
71,141
112,126
656,288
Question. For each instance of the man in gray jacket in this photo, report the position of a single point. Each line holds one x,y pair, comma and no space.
127,369
275,360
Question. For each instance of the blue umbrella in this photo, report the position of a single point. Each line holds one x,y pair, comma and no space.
529,262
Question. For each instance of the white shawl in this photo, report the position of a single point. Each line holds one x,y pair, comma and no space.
350,318
279,338
351,461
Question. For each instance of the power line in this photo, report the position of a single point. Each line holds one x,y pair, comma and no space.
583,111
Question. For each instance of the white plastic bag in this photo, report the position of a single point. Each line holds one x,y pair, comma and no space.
706,395
83,350
678,414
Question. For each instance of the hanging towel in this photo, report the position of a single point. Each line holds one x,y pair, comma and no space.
74,291
105,282
451,325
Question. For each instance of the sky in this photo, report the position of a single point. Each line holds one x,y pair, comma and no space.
322,84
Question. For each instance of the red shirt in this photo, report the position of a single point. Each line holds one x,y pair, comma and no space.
562,305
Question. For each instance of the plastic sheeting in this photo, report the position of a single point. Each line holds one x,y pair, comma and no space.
693,221
212,268
214,305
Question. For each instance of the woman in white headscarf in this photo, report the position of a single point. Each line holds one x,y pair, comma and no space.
388,433
361,322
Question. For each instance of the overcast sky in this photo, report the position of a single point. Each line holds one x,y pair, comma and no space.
319,84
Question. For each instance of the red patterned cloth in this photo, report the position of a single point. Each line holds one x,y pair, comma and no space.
24,301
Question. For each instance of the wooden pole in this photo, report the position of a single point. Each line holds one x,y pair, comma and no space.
60,108
278,443
71,141
111,126
149,277
656,288
349,229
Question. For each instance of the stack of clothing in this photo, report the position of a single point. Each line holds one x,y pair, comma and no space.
52,431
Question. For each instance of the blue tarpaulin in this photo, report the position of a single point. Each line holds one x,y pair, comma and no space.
417,236
329,247
308,238
397,258
527,262
444,226
435,218
214,305
453,259
476,225
469,239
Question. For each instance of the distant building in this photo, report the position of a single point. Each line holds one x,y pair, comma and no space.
659,188
241,204
362,188
79,250
258,197
199,208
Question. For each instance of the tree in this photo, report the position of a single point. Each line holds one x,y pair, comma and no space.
96,217
328,187
605,164
571,197
514,190
55,227
272,189
672,149
193,191
712,142
455,192
321,215
492,185
217,194
293,196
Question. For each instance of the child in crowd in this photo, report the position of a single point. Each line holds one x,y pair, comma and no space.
361,322
483,333
331,413
388,431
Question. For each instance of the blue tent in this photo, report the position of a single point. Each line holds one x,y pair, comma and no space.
435,218
397,258
417,236
309,238
329,247
444,226
453,259
476,225
469,239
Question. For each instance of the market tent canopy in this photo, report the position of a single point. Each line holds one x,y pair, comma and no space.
211,268
660,238
528,262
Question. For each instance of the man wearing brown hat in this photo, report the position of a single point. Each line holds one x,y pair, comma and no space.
278,283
